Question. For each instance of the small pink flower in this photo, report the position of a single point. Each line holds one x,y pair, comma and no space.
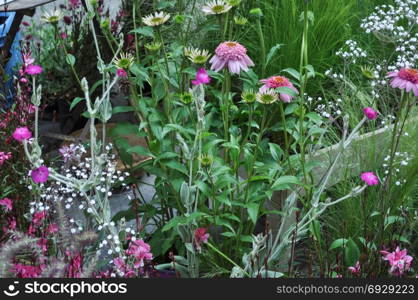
231,55
33,69
4,156
52,228
74,3
405,79
121,73
200,237
27,59
356,269
141,251
26,271
399,261
40,175
21,134
7,203
202,77
63,35
275,82
370,113
369,178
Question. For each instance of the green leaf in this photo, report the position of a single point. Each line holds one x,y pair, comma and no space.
146,31
272,52
276,151
75,102
315,227
284,183
140,151
174,222
122,109
286,90
338,244
177,166
70,59
393,219
252,209
295,74
351,253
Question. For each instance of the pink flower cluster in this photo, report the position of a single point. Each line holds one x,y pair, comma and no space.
399,261
141,251
4,156
7,203
200,237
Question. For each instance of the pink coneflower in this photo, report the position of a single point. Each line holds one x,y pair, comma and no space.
141,251
399,261
202,77
369,178
405,79
33,70
200,237
370,113
40,175
121,73
21,134
7,203
232,55
356,269
4,156
275,82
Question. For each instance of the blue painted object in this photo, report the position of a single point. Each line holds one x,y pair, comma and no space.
6,20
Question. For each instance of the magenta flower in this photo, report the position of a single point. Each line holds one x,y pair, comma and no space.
4,156
121,73
33,70
356,269
200,237
40,175
202,77
405,79
370,113
21,134
63,35
369,178
7,203
141,251
275,82
52,228
232,55
399,261
74,3
67,20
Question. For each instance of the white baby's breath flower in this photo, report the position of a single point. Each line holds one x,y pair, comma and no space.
216,7
156,19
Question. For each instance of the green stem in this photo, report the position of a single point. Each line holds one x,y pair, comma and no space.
226,257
